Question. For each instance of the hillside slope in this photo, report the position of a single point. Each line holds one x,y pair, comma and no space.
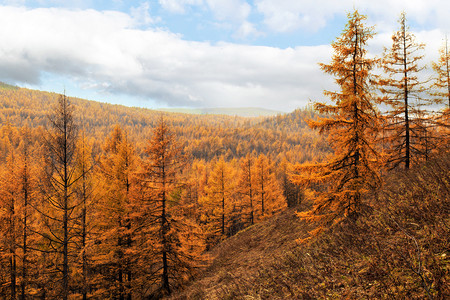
400,249
203,136
238,261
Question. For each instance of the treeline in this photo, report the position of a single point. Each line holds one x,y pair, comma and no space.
88,218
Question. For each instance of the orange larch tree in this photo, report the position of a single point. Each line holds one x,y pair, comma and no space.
440,90
268,193
171,243
246,188
349,173
85,196
59,189
116,171
219,201
406,125
9,222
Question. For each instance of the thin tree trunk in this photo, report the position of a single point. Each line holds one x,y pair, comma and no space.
25,226
12,251
165,275
407,130
223,203
262,189
250,192
66,214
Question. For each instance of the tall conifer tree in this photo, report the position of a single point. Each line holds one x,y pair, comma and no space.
246,188
440,90
170,242
349,173
59,190
406,126
117,170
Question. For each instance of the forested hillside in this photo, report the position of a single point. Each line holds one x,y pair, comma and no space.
203,136
105,201
101,201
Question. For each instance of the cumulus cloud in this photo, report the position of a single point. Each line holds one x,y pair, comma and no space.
247,29
290,15
105,51
141,14
109,51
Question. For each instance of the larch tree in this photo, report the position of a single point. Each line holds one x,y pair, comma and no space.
349,173
219,199
268,192
9,239
291,192
27,186
405,128
246,187
197,178
116,170
173,241
440,90
84,194
59,192
441,84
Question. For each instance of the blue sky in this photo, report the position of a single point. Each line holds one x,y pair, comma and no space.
194,53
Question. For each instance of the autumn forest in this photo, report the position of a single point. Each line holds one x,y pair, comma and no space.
347,198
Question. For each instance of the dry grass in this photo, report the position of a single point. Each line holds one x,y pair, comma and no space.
238,261
399,250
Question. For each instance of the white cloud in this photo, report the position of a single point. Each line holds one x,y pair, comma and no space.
13,2
178,6
108,51
247,29
236,10
142,14
290,15
102,50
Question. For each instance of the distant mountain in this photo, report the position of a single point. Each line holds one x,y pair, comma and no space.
234,111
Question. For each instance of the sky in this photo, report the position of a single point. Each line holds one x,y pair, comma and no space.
195,53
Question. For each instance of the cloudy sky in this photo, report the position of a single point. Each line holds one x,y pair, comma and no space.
194,53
